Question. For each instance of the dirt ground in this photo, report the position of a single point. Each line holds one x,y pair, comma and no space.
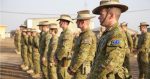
10,61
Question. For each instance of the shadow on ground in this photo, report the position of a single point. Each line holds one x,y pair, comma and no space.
12,71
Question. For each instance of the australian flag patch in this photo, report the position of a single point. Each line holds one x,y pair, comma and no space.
114,42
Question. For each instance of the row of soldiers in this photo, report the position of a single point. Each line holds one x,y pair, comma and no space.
84,57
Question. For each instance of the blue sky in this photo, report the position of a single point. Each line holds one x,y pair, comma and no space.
12,11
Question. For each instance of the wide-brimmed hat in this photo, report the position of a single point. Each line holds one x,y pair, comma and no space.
43,23
123,24
29,29
144,24
65,17
53,26
84,14
35,30
23,25
110,3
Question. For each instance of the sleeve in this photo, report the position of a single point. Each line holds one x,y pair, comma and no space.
82,55
130,41
53,50
66,46
47,41
146,43
26,40
37,41
115,53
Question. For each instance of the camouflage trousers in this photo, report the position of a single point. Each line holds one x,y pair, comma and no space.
120,73
143,63
52,73
18,46
149,67
126,63
36,61
24,56
30,58
44,68
62,72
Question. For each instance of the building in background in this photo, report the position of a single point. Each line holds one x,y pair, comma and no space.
33,22
2,31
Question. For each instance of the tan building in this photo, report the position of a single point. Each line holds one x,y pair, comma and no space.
2,31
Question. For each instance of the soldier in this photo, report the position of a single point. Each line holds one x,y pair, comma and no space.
44,45
143,51
52,49
130,45
112,44
63,52
30,51
84,49
22,27
36,53
17,39
24,44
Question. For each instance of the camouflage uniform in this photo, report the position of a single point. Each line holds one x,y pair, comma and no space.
17,41
51,64
110,55
30,52
143,54
44,46
84,53
129,49
24,51
63,53
36,54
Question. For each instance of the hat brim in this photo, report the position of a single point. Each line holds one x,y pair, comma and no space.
64,19
43,25
144,25
82,18
111,4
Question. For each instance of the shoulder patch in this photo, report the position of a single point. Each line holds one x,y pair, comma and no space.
114,42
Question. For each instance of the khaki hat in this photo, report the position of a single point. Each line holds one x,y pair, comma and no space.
24,30
110,3
143,24
123,24
35,30
29,29
23,25
65,17
84,14
53,26
43,23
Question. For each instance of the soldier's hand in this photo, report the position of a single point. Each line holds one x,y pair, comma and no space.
43,59
51,64
70,72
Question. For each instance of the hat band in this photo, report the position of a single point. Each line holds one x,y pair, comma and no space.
83,16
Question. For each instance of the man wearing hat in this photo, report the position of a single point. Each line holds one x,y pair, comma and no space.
64,49
36,53
24,51
30,51
143,51
85,47
17,38
111,48
51,52
126,63
44,46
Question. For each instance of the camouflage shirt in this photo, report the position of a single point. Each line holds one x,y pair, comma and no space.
84,49
110,53
65,43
